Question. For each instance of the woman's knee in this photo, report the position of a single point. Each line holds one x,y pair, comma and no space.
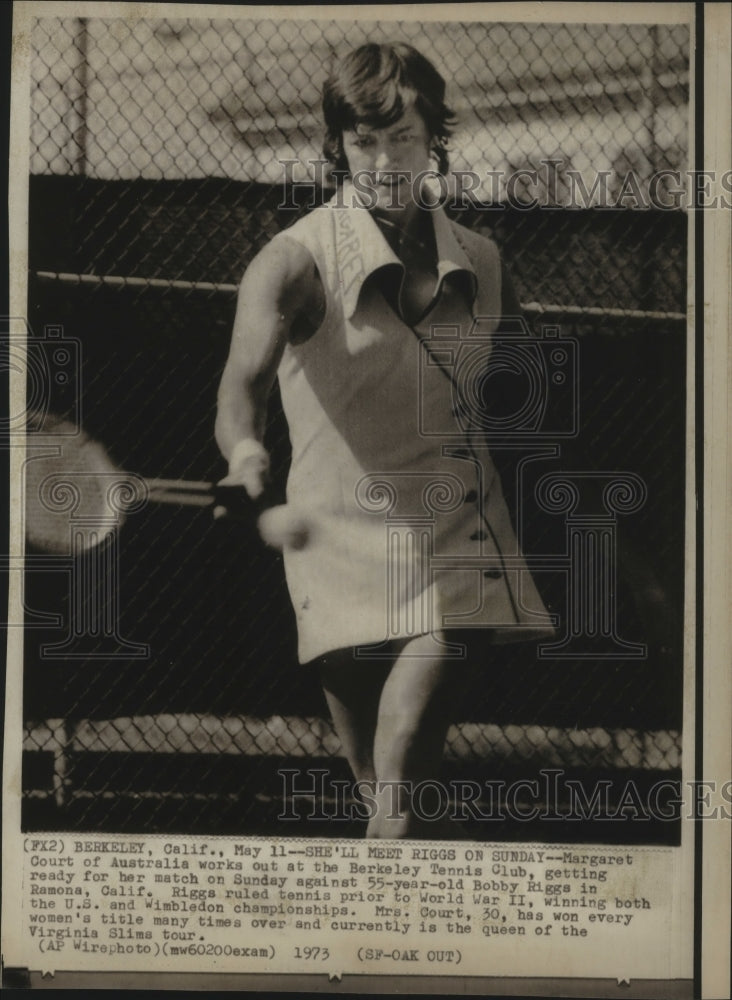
414,696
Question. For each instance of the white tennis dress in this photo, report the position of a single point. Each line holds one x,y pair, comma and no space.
409,530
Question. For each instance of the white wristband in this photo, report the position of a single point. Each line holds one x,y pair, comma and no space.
248,448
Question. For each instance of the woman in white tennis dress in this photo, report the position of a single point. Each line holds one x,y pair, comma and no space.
375,313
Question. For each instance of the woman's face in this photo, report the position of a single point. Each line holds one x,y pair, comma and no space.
384,162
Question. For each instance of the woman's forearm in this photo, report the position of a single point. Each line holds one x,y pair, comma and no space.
242,409
276,287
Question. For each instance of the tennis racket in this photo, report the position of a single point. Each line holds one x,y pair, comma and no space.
73,490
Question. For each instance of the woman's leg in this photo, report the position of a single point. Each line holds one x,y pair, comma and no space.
352,689
413,716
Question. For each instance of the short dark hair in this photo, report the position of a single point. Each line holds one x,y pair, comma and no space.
373,85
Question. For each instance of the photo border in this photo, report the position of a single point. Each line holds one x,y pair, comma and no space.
710,516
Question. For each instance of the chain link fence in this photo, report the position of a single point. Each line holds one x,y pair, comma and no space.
161,154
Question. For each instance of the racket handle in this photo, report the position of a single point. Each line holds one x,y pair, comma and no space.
179,491
278,525
229,499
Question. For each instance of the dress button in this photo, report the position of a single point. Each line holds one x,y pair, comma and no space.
478,536
471,496
492,574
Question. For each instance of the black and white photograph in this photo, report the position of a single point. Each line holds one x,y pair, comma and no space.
472,453
357,464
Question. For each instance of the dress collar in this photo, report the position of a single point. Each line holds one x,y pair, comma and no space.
362,249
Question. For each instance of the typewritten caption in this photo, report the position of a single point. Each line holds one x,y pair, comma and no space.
335,907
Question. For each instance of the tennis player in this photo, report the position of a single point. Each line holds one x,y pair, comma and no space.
360,310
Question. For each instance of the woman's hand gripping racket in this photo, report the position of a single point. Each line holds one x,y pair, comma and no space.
248,482
70,481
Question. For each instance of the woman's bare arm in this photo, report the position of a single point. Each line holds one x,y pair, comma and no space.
277,286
